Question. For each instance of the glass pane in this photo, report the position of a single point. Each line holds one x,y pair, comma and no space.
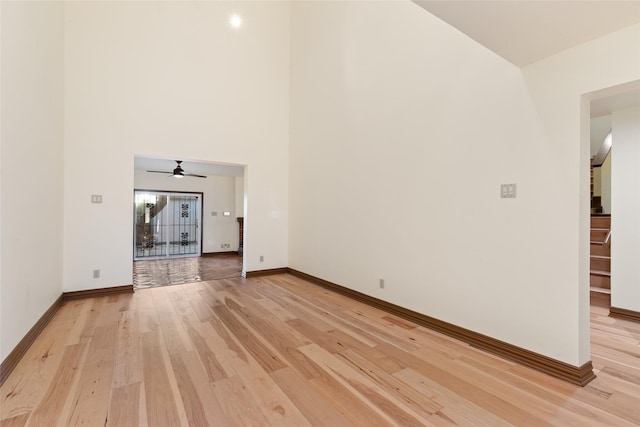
184,226
166,224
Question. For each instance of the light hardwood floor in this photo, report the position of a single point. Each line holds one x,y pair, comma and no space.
278,351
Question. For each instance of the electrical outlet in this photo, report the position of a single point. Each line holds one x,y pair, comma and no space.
96,274
261,258
381,283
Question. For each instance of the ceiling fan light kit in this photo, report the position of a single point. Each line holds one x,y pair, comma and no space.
178,172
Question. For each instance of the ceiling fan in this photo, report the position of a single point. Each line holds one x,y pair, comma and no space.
178,172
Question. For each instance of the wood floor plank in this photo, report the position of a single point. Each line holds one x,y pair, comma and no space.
208,358
536,397
318,317
80,311
201,405
291,304
275,332
468,389
170,325
70,403
17,421
108,313
461,410
128,362
311,403
421,404
27,385
267,358
50,407
277,408
161,406
280,351
91,403
124,407
335,341
334,317
354,319
394,405
240,407
193,406
90,318
274,404
272,307
200,307
349,402
229,342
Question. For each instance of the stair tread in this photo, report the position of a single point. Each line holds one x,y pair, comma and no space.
600,256
600,273
600,290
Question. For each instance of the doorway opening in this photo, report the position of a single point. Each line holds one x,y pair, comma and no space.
613,115
207,243
612,128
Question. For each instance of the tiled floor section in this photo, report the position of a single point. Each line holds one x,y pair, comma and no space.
148,274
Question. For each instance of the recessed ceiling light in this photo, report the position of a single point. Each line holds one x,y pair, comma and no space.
235,21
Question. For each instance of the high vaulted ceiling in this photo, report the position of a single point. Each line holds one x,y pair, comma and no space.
522,32
525,31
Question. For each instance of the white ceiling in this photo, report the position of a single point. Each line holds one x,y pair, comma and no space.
605,106
602,107
189,166
525,31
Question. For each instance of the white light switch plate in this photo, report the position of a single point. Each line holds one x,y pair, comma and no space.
508,191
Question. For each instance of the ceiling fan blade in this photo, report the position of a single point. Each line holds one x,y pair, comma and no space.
178,171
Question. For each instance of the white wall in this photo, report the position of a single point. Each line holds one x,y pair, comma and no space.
599,128
219,195
31,178
403,129
562,87
239,182
171,79
605,183
625,199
